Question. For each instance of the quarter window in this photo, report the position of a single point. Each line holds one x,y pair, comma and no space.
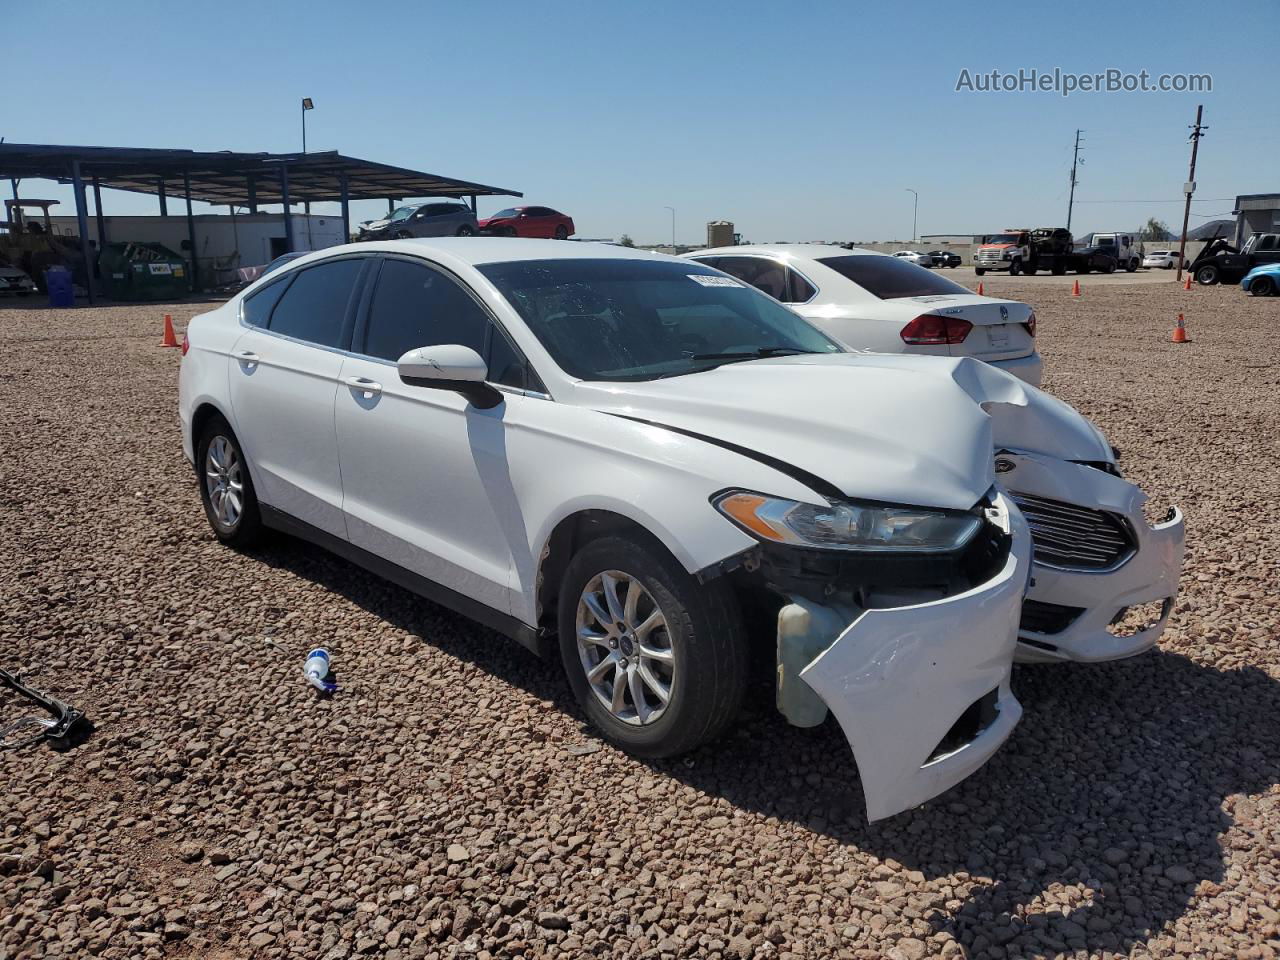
256,309
801,290
315,306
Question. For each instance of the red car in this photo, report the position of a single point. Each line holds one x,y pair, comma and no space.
528,222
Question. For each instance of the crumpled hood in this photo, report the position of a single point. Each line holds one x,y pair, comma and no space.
374,225
903,429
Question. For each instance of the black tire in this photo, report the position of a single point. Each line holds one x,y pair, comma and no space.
1132,266
1208,275
562,232
1015,267
1109,268
1262,287
1058,270
246,530
466,230
404,235
978,271
1083,269
707,640
507,232
1030,270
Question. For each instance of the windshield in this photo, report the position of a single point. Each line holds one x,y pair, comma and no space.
503,214
891,278
619,319
401,213
1003,238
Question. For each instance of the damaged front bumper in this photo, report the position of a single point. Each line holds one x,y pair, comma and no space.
1074,602
920,691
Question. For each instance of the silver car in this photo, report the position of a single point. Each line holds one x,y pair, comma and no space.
434,219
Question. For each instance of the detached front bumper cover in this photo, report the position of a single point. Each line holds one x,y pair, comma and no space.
903,681
1090,600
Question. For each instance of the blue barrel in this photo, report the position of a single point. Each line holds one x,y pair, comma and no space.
58,281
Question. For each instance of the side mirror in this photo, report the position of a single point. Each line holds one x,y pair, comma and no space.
450,366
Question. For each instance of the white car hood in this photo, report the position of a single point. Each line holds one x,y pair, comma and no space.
903,429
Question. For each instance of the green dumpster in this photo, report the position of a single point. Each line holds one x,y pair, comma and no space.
143,271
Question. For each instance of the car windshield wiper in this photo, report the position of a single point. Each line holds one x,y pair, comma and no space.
759,353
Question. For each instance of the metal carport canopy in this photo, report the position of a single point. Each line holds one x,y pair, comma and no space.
226,177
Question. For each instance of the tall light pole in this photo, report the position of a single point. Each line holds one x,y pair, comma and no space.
915,209
306,105
673,229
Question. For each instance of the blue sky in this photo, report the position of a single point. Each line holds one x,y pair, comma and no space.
795,121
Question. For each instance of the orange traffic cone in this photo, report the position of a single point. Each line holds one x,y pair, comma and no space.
980,288
1075,289
1187,284
1180,331
170,340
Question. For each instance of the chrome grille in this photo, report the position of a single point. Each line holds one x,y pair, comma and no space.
1074,537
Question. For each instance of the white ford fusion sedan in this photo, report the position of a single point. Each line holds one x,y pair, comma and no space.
888,304
652,467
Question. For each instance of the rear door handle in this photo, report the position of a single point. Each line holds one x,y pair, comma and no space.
364,385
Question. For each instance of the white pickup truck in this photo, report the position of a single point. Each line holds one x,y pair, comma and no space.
1122,246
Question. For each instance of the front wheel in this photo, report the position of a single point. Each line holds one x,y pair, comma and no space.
562,232
1014,268
404,235
466,230
657,660
226,489
978,271
1132,267
1207,275
1262,287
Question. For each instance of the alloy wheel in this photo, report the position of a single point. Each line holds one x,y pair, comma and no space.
625,648
224,481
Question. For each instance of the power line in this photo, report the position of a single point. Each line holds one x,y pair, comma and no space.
1205,200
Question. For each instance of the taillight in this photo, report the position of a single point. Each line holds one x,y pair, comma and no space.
931,328
186,344
1030,323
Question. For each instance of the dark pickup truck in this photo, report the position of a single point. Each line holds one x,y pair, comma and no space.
1220,262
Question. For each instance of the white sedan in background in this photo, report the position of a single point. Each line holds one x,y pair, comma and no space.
618,455
1164,259
886,304
916,257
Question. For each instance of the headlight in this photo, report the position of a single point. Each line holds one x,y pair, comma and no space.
848,526
1006,255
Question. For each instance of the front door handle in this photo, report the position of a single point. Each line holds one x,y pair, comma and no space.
247,356
364,385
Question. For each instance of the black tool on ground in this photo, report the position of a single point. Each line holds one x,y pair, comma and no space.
66,728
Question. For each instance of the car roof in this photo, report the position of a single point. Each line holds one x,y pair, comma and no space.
478,250
804,251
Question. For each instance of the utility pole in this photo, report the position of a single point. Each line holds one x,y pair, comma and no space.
1075,162
915,210
1189,187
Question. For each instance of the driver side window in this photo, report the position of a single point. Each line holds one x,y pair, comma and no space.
416,306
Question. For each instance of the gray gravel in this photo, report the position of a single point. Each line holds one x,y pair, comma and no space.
449,802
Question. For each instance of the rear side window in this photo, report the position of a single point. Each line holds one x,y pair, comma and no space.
315,306
801,290
256,310
766,275
891,278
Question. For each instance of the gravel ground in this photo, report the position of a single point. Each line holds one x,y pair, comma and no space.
449,801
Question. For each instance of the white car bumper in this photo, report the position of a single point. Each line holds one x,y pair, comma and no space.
1028,369
922,692
1071,610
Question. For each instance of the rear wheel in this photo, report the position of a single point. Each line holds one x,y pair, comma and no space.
657,660
1207,275
466,230
1262,287
1029,270
226,489
1110,267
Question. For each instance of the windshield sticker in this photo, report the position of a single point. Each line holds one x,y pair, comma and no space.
710,281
